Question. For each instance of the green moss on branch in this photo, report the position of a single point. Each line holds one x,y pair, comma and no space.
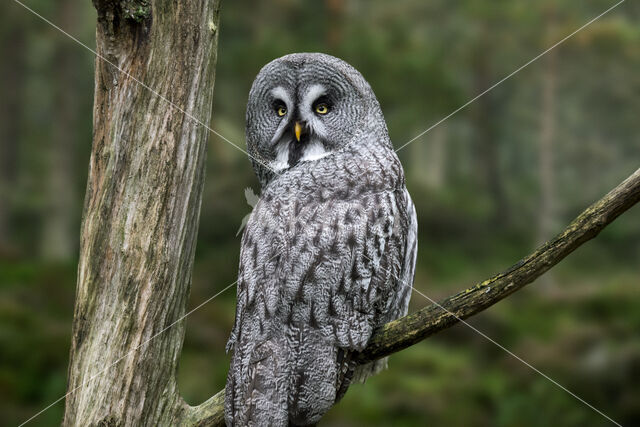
411,329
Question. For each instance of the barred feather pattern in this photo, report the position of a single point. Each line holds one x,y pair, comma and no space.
328,255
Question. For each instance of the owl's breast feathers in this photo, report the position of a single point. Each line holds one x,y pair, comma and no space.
328,255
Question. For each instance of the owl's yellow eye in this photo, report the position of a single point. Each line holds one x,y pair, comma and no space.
322,109
281,111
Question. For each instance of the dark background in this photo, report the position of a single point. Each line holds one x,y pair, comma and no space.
489,184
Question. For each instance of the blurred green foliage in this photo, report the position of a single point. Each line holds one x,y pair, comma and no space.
477,179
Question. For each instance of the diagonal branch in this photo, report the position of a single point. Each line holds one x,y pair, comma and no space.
404,332
411,329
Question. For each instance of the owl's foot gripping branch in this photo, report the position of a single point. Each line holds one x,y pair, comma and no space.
411,329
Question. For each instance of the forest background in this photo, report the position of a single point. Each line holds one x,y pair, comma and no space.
490,184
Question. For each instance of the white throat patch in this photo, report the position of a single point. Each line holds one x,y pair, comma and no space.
313,151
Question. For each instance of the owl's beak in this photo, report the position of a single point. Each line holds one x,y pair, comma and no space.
298,130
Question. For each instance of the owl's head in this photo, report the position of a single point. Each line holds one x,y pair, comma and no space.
303,107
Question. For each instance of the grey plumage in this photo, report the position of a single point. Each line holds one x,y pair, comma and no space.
329,251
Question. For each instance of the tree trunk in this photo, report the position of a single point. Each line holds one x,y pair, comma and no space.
430,162
486,115
334,35
11,78
58,240
547,211
141,215
141,210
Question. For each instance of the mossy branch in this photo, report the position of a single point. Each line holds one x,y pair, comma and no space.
411,329
404,332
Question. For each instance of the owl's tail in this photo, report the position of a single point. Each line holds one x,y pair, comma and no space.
288,381
320,375
256,391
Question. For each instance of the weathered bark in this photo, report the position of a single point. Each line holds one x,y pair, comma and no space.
141,216
411,329
210,413
141,210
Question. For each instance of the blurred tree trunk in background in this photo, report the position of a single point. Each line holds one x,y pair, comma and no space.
428,160
141,210
485,117
436,158
58,240
547,209
11,85
336,9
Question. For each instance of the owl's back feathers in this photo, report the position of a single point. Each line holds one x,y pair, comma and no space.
327,255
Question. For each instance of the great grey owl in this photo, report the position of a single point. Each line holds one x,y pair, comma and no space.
329,251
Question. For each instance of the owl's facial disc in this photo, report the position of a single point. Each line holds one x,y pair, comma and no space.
330,100
301,135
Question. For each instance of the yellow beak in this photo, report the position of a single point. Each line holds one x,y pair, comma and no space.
298,130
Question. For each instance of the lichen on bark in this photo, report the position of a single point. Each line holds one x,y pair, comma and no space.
141,218
141,212
138,10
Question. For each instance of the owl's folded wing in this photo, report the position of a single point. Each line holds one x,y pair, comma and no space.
313,284
341,262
